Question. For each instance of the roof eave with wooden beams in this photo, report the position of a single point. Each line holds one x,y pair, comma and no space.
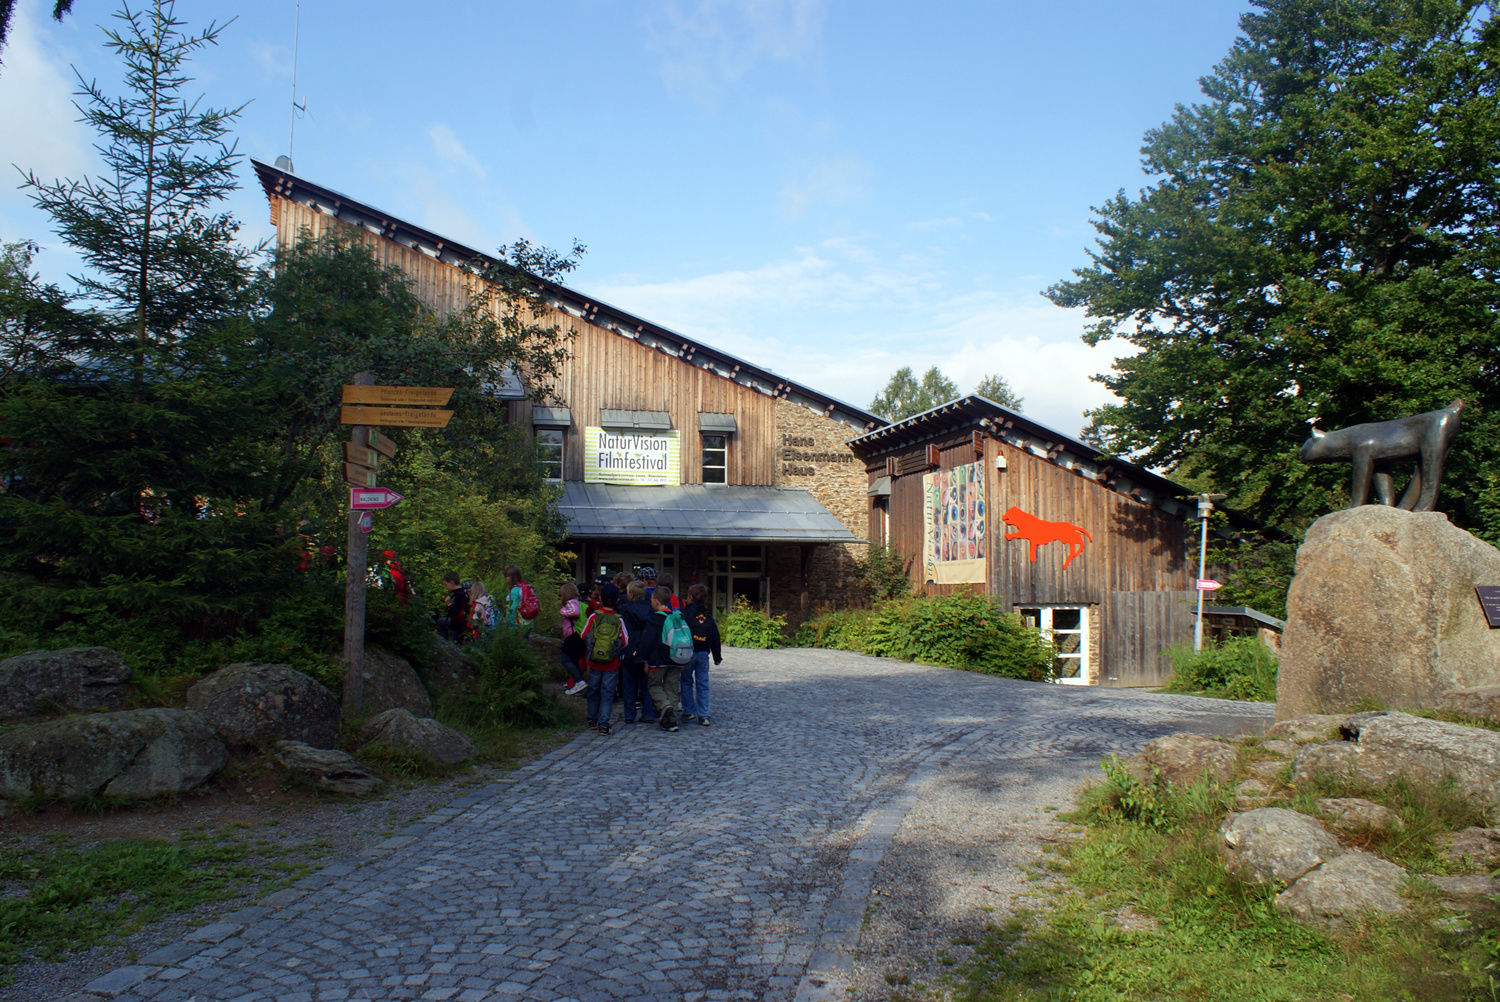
282,184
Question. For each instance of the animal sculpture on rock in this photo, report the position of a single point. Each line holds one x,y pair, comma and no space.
1372,448
1039,531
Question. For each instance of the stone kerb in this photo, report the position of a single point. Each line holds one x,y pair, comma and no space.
1382,608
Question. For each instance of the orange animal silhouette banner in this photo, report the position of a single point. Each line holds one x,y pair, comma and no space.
1039,532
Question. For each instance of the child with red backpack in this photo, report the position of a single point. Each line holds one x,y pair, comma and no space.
604,637
521,605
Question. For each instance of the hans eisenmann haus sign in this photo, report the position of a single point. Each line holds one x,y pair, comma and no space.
642,459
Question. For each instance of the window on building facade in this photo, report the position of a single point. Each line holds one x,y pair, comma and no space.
550,444
1067,626
715,458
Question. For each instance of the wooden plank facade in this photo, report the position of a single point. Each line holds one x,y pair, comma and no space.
785,435
1131,586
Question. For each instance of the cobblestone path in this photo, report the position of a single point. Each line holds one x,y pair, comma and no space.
723,862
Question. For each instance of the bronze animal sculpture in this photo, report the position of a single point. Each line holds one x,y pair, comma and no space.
1372,448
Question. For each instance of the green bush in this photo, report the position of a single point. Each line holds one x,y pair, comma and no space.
842,630
509,691
959,630
1240,668
884,574
744,626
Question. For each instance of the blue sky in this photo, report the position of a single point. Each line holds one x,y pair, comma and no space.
828,188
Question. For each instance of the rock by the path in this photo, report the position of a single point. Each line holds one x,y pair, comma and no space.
1277,746
1356,813
452,670
1482,702
1382,608
402,730
1273,843
1250,794
250,703
1306,728
1384,746
390,682
1344,889
74,678
1481,846
326,768
134,754
1184,759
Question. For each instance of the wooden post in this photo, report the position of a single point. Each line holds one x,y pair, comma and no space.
354,591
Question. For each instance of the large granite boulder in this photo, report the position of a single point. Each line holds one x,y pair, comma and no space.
135,754
253,703
391,682
1381,747
401,730
75,678
1382,609
1481,702
325,768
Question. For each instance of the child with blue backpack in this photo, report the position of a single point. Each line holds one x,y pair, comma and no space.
667,647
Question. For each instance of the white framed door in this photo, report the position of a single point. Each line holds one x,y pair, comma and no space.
1067,627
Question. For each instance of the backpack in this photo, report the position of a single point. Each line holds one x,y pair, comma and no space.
604,638
677,638
529,604
484,611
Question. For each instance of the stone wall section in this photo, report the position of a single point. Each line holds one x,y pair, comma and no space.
812,455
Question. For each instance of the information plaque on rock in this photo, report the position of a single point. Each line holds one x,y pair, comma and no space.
1489,601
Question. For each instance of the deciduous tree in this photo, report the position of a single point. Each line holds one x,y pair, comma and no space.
1320,241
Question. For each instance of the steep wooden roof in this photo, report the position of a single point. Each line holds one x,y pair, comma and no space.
279,183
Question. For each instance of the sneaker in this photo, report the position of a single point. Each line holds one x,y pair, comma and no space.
593,723
703,721
604,728
669,720
688,718
630,720
577,687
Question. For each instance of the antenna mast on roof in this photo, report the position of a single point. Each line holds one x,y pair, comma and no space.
292,132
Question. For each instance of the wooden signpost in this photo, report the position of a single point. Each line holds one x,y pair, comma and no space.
365,405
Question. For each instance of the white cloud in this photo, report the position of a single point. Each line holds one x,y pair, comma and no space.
705,45
841,321
37,117
832,182
450,148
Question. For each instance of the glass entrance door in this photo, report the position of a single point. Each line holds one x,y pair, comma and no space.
1067,626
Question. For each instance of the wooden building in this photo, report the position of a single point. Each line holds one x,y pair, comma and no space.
670,452
1099,552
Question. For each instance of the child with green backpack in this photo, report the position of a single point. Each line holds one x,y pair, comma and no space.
604,637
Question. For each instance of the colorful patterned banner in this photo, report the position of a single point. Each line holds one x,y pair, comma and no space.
955,541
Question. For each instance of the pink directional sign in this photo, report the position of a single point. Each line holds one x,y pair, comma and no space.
366,498
1208,584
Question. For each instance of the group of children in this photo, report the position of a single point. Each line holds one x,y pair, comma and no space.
469,610
649,646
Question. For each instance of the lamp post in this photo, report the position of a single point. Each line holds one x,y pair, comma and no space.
1205,508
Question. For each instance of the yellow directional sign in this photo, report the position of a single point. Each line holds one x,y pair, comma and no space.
409,396
394,417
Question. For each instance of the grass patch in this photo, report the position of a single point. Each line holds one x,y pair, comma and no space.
66,896
1151,850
